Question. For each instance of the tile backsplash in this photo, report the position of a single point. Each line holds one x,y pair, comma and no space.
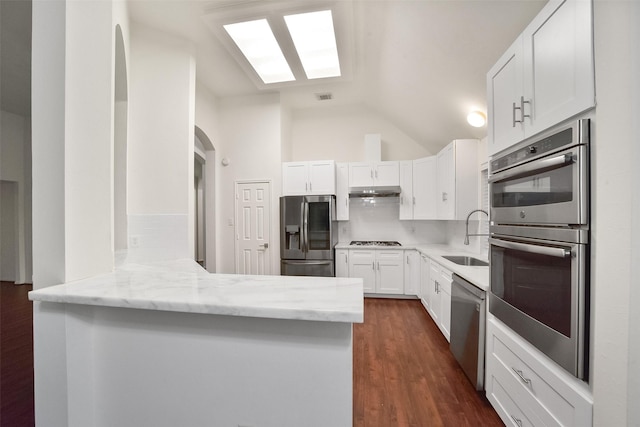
379,221
156,238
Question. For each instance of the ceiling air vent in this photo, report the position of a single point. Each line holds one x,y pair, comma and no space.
324,96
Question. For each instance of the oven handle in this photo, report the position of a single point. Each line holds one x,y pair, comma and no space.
535,249
523,170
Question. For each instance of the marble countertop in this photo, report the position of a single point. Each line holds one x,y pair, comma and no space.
479,276
184,286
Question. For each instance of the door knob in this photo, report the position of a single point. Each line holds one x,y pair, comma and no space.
264,246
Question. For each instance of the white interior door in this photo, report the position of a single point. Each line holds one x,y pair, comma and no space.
253,219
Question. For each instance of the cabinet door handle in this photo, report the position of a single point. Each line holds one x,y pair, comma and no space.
513,110
310,189
306,186
371,173
445,196
373,265
401,200
522,102
521,375
376,174
518,421
378,265
414,200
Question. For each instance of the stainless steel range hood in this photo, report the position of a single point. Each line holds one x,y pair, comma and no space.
377,191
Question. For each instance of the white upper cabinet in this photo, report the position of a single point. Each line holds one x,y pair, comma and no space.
457,179
545,77
342,191
374,174
406,190
424,188
314,177
504,84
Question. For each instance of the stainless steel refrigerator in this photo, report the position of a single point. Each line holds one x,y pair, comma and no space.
308,235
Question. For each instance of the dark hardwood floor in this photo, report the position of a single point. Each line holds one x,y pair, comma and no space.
405,375
16,356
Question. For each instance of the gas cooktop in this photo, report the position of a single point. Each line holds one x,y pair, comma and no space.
374,243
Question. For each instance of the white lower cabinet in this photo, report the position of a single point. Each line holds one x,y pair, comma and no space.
382,270
425,295
342,263
528,389
411,272
444,286
439,298
362,265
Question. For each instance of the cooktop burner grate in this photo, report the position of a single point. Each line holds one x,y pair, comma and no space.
374,243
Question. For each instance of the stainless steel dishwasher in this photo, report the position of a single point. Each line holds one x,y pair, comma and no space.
468,329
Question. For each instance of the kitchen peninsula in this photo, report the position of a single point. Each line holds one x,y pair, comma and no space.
168,344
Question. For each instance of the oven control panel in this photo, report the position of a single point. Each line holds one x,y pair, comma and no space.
565,138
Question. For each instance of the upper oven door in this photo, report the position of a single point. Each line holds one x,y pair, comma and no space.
551,190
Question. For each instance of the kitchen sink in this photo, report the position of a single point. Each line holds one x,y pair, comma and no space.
466,260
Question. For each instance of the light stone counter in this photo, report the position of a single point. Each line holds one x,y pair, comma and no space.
479,276
184,286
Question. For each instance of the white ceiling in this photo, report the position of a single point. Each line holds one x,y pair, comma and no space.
419,63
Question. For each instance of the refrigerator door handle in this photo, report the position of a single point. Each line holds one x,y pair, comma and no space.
305,226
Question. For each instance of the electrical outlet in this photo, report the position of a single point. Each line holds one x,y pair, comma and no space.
134,241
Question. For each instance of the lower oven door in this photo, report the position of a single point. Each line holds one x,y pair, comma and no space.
538,289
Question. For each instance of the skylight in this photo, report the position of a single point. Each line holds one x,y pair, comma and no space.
258,44
315,41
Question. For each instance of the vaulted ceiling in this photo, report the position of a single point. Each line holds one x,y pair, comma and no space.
419,63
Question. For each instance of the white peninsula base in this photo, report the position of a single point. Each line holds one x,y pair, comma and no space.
149,367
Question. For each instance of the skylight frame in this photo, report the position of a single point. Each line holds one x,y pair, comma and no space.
258,44
215,17
314,38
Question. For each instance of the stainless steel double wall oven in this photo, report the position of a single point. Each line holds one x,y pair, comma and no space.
539,244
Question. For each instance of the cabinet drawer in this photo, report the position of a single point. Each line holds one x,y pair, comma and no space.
509,411
540,389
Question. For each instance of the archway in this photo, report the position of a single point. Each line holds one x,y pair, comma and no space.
205,212
120,115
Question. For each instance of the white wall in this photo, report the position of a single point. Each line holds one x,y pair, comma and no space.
15,167
338,134
615,203
88,139
161,141
72,108
250,137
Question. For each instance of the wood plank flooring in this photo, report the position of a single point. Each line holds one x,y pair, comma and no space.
405,375
16,356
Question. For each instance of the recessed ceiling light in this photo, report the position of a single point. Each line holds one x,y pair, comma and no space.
258,44
476,119
315,41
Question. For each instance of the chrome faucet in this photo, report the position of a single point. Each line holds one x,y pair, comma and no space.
466,234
